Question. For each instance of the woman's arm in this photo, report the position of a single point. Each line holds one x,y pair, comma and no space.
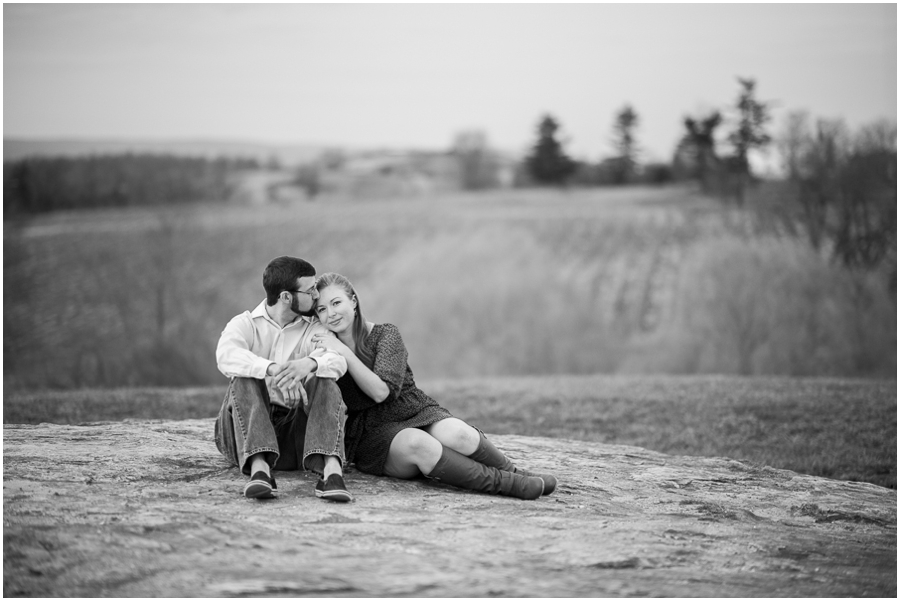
367,380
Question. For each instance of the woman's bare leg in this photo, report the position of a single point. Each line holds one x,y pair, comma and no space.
455,434
413,452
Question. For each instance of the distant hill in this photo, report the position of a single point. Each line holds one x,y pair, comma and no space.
287,154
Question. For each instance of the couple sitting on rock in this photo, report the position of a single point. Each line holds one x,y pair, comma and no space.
305,363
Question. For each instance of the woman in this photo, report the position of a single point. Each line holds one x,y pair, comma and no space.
395,429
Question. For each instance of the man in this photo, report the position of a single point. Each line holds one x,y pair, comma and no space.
275,368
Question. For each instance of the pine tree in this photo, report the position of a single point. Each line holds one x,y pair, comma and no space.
548,163
753,116
626,146
696,153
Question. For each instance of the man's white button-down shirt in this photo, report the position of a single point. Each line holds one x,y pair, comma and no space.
252,341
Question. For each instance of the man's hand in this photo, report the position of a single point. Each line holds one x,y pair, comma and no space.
289,376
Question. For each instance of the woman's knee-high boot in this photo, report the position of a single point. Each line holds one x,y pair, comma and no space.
491,456
458,470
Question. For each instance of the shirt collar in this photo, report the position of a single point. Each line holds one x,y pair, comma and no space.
260,312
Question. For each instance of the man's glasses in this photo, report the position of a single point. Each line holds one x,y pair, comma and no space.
310,292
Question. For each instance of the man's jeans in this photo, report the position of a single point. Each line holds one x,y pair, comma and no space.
249,424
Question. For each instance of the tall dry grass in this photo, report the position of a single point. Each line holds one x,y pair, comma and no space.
775,306
500,283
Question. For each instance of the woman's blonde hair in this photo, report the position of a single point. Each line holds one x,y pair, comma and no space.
360,329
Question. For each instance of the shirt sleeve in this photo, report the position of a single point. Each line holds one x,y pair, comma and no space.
233,355
391,360
329,364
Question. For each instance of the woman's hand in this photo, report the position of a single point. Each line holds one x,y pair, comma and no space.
330,342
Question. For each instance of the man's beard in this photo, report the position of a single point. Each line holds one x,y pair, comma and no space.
295,307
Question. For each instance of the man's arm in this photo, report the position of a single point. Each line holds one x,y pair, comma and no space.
321,362
292,373
233,355
329,363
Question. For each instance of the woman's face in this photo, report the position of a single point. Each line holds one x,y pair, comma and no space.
335,310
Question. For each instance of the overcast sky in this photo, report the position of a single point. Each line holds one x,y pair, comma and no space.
414,75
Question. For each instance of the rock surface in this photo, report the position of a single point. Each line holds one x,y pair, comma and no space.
150,509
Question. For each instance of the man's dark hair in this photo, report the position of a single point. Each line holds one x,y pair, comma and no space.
282,273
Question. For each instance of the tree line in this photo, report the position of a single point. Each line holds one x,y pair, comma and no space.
37,185
839,191
695,157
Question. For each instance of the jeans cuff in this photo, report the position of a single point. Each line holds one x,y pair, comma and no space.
337,453
256,451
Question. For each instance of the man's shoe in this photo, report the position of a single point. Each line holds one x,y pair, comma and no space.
261,486
333,489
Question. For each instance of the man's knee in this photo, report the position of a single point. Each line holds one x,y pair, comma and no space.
248,387
323,390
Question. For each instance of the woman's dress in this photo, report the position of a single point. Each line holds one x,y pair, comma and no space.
371,426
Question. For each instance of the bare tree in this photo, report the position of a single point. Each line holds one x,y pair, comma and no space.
866,230
813,159
791,142
477,163
844,186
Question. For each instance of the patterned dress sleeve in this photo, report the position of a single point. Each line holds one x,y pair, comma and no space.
390,360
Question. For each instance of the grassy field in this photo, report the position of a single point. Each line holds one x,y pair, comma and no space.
510,301
501,283
837,428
